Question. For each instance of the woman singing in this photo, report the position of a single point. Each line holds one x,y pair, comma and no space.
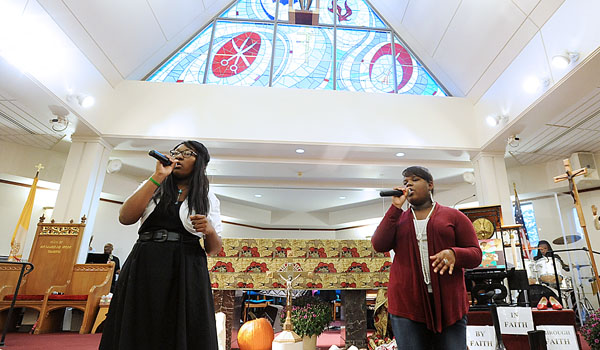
432,244
163,298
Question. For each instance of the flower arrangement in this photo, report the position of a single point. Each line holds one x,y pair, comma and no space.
591,330
310,315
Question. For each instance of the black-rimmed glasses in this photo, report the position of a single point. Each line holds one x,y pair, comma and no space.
186,154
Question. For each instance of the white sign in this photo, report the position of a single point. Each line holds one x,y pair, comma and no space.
481,338
560,337
515,320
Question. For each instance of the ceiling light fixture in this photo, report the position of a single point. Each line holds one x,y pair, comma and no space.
533,84
342,197
60,122
494,120
299,150
84,101
114,165
513,140
400,154
258,195
562,61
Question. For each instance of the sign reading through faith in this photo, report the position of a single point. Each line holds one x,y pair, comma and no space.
515,320
560,337
481,338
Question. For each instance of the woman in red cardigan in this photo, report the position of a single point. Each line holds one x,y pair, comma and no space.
432,244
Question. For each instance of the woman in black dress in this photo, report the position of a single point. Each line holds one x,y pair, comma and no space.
163,298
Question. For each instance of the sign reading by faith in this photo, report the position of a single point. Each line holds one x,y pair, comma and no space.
481,338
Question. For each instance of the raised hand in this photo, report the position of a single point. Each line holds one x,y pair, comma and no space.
443,261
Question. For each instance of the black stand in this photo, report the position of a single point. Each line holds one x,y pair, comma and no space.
496,321
537,340
24,266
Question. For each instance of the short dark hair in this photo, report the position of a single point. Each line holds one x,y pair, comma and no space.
419,171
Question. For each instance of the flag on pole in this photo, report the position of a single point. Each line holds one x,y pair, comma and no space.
522,230
17,243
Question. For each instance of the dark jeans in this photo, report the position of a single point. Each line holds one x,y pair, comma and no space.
411,335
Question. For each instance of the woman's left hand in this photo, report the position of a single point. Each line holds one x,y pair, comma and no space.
200,223
443,261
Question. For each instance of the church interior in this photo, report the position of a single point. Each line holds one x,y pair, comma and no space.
308,109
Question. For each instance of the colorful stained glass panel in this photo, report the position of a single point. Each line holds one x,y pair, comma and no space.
187,65
357,13
411,77
364,61
241,54
303,57
252,9
325,12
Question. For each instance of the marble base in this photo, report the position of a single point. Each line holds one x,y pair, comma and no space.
224,302
355,310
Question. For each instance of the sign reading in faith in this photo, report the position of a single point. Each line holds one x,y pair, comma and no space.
481,338
515,320
560,337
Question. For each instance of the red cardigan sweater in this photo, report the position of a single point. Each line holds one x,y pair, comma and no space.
407,292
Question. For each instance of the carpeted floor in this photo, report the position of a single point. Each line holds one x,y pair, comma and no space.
74,341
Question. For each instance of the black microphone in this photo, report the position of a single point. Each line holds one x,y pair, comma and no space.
395,193
160,157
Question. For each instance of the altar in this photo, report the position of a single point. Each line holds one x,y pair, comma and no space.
351,266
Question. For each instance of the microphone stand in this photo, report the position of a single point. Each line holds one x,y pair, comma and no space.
579,302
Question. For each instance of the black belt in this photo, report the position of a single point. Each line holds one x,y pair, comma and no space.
160,236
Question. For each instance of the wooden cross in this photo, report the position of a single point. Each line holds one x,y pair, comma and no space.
573,187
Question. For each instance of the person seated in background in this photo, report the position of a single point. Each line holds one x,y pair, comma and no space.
545,251
108,249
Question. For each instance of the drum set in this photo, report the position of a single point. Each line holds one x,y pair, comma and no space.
544,282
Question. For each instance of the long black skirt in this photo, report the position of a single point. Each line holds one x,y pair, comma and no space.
163,300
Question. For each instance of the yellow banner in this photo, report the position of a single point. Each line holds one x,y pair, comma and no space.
17,244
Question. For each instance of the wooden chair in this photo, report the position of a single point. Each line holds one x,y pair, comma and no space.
53,253
82,292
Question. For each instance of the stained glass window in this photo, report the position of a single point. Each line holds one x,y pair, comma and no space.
252,43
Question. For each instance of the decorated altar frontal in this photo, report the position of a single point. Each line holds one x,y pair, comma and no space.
335,264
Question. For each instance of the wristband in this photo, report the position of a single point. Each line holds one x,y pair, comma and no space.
154,181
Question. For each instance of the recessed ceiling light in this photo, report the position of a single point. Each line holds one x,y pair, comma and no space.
342,197
258,195
300,150
400,154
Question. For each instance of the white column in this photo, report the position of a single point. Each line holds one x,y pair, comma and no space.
491,182
81,185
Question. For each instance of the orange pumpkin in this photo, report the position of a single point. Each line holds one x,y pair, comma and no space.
256,335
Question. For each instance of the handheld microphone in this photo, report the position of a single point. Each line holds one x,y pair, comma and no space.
395,193
160,157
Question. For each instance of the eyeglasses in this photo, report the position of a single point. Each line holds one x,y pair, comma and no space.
186,154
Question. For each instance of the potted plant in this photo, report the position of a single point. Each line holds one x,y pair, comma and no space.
591,330
310,317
